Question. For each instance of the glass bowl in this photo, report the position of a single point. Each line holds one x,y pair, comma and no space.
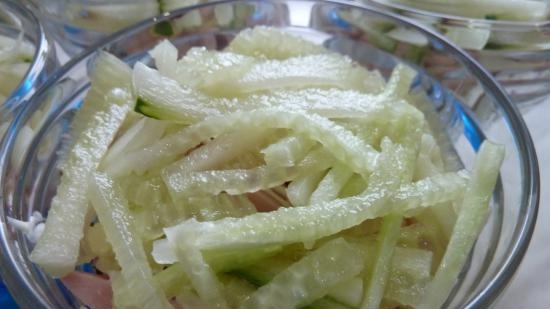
18,83
29,178
515,52
78,24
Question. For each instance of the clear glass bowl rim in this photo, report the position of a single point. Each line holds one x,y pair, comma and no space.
484,297
468,22
39,61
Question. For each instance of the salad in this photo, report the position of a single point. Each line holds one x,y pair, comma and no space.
509,10
272,174
517,28
111,16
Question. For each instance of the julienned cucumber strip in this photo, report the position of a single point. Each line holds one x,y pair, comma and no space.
305,223
331,184
97,123
288,151
112,211
299,224
313,276
473,214
300,189
148,85
172,279
165,55
201,275
265,42
217,152
342,144
378,278
235,182
219,260
321,70
162,97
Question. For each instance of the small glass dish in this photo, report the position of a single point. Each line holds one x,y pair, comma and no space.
26,57
29,176
515,52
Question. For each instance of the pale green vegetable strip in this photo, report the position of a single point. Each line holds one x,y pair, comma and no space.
355,185
150,86
409,275
122,293
172,279
299,224
270,43
389,234
381,270
214,153
287,152
165,99
144,132
322,70
261,228
200,66
182,184
165,55
348,293
429,161
299,190
219,260
57,248
310,278
331,184
400,80
342,144
213,207
200,274
430,191
107,68
473,214
111,208
237,290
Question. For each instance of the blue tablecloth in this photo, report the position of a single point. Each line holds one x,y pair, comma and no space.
6,302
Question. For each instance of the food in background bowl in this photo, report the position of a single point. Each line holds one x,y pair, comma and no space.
273,174
510,38
81,23
510,10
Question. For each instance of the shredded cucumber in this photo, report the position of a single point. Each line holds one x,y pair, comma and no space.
288,151
310,278
471,217
331,184
299,224
265,42
101,117
262,176
242,181
299,191
516,10
381,269
111,208
339,142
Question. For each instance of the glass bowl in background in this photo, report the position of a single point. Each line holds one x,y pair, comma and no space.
28,178
78,24
516,52
26,57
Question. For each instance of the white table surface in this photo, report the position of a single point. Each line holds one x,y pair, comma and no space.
531,285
